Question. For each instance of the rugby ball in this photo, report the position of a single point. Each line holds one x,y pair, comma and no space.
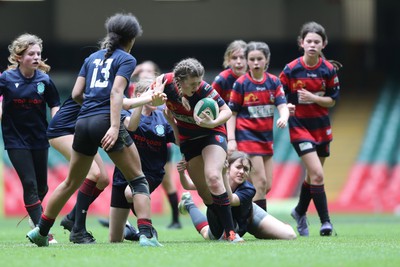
209,106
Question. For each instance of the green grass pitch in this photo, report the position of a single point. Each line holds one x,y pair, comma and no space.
362,240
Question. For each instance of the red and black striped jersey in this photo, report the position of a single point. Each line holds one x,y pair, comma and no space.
310,121
188,129
255,102
223,83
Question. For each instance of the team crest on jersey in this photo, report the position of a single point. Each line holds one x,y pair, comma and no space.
271,98
40,88
160,130
219,138
251,98
298,85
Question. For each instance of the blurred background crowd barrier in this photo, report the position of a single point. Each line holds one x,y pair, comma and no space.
363,172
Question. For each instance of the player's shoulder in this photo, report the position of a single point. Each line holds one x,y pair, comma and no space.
226,73
42,74
222,76
6,74
292,64
242,78
272,77
328,64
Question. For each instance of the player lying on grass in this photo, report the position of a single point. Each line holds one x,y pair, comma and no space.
247,216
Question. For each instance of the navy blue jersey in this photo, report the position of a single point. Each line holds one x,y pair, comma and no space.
24,120
242,213
63,123
151,139
99,74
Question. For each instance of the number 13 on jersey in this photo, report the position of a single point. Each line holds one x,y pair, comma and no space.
104,67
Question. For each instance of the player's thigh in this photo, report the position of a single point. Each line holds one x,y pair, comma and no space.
63,144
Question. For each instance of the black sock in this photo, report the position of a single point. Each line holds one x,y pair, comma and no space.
83,202
34,211
223,211
173,201
96,193
321,204
145,227
214,221
71,214
304,199
45,224
82,206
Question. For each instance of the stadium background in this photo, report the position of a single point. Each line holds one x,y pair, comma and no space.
363,173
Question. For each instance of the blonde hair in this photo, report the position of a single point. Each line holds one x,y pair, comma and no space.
232,47
20,45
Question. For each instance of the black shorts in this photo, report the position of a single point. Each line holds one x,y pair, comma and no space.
305,147
60,132
118,199
90,130
192,148
153,181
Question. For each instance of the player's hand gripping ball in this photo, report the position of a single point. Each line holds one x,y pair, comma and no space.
209,106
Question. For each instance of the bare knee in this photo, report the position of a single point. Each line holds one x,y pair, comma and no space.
317,178
264,185
214,183
102,182
72,184
290,234
101,179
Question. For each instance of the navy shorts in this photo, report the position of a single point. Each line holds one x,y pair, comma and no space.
60,132
305,147
193,147
90,130
118,199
